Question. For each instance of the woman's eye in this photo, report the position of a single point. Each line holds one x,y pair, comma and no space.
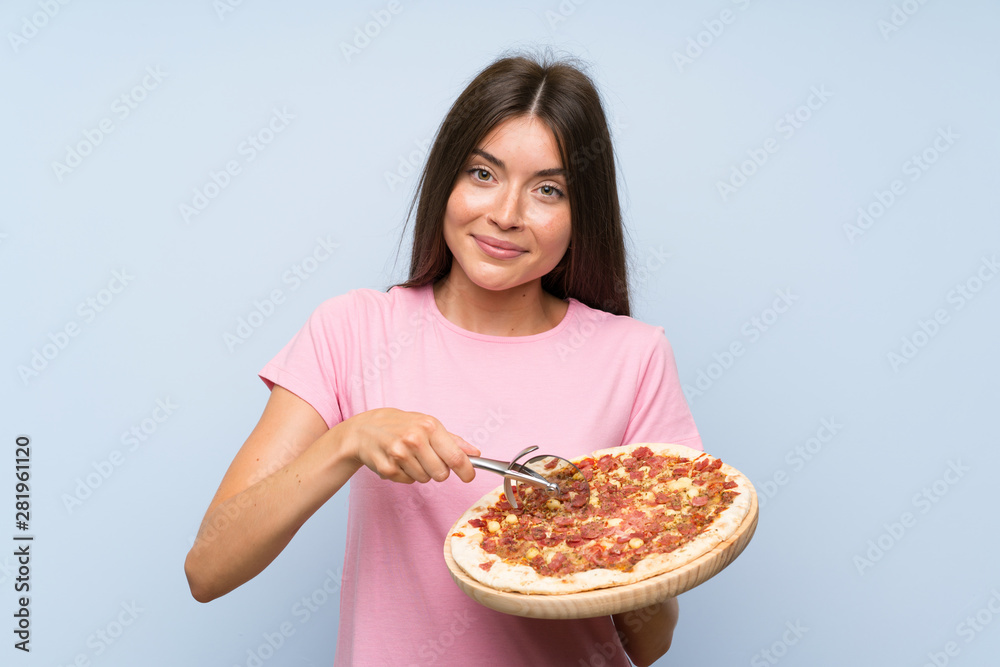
550,191
482,174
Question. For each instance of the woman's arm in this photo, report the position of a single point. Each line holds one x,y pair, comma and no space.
290,466
646,633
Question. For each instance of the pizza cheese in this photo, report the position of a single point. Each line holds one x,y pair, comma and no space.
651,508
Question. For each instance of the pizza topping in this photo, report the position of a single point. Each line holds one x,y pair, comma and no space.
638,503
558,563
487,565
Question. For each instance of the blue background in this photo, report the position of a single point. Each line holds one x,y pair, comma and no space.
877,537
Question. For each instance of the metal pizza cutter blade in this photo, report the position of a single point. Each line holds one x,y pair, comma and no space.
553,475
573,487
513,471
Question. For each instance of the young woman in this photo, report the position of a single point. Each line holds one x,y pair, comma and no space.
512,330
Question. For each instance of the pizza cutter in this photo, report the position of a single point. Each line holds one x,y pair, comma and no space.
557,476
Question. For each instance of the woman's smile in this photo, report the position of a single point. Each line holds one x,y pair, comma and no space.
498,249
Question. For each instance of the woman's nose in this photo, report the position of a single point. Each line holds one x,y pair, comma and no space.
506,213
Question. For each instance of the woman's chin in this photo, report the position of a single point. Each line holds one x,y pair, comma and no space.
501,285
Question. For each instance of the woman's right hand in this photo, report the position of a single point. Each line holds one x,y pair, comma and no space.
407,447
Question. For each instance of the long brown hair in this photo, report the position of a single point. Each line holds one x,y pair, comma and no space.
593,270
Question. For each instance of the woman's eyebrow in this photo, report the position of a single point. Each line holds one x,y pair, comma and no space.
497,162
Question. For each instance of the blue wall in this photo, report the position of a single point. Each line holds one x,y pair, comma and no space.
810,190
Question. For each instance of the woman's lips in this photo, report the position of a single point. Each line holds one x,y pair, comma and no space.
498,249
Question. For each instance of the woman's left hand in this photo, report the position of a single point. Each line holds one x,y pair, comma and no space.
647,633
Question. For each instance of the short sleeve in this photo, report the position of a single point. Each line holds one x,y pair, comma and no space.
308,365
660,412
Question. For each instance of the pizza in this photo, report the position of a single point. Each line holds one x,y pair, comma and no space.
651,509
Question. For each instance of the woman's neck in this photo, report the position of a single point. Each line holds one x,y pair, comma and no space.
524,310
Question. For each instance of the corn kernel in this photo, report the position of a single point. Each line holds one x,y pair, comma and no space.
635,542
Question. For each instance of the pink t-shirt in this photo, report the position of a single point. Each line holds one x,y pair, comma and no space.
595,380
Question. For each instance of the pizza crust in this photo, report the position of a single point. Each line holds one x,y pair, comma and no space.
467,551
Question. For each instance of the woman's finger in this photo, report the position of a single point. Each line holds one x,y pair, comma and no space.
431,463
467,447
453,455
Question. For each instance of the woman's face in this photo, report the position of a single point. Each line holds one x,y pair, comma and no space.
507,222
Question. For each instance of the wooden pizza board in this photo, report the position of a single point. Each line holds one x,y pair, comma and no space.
617,599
